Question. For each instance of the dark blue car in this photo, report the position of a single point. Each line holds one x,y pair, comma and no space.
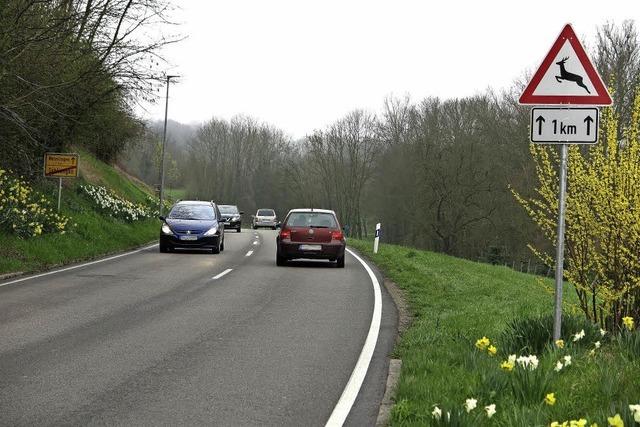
192,225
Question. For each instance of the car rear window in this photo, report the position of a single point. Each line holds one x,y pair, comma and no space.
312,219
201,212
228,209
266,212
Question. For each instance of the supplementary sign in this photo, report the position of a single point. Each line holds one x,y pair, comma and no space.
564,125
61,165
566,76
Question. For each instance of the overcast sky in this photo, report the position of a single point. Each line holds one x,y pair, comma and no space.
301,65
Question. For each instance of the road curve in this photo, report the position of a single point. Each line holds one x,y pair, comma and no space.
191,338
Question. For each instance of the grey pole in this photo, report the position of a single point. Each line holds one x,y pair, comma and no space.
557,317
164,141
59,192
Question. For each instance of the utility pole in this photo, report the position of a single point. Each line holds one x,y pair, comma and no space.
164,142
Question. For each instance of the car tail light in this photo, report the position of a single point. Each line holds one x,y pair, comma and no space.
337,235
285,234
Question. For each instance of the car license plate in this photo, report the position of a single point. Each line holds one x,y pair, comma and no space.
190,237
310,247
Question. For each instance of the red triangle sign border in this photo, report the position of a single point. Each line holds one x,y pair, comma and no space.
601,97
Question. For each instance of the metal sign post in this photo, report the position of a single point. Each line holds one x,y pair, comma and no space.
557,314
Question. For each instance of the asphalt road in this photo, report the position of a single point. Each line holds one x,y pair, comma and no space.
154,339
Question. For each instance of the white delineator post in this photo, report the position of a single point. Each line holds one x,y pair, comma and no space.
376,241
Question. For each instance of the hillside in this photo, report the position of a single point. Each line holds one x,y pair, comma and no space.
97,221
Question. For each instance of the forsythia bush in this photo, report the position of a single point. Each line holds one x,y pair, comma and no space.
26,212
109,203
602,218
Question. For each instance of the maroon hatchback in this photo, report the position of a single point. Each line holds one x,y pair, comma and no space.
311,233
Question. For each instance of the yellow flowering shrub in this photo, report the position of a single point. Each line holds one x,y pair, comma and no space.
26,212
602,218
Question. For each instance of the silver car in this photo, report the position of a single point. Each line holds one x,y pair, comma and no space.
265,218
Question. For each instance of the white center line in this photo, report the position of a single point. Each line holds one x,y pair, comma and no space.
255,243
249,253
228,270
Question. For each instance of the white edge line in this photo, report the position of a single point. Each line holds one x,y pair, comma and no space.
77,266
228,270
249,253
350,393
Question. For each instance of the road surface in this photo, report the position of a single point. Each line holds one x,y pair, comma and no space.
191,339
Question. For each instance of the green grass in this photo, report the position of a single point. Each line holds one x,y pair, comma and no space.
97,172
455,302
95,234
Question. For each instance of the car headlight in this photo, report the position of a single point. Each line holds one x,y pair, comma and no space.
213,230
166,229
236,217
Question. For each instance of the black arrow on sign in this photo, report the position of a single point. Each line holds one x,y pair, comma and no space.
588,121
540,120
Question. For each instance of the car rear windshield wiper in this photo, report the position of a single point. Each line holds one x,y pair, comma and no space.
319,226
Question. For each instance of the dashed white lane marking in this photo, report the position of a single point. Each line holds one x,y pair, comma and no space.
256,242
78,266
228,270
343,407
249,253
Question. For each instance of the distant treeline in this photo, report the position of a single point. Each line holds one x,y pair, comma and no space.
69,72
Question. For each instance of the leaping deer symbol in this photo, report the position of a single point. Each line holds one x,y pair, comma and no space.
565,75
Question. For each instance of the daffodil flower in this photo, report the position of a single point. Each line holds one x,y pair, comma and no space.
437,413
470,404
616,421
490,409
550,399
628,322
560,343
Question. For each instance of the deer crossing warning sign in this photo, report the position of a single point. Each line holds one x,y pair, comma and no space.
566,76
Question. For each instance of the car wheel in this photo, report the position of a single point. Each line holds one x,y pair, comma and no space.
340,262
216,249
280,260
274,227
222,246
164,248
238,230
255,227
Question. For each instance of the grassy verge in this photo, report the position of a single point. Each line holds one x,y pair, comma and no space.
456,302
93,234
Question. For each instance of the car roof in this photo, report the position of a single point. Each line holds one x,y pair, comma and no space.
266,209
228,206
309,210
194,202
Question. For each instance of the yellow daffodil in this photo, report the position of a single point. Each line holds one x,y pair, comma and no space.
550,399
628,322
578,423
483,343
492,350
507,366
560,343
616,421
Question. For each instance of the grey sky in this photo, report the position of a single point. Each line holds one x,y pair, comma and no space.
300,65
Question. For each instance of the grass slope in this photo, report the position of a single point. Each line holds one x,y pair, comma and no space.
455,302
94,235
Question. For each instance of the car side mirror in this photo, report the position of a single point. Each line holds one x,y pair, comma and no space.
279,224
162,218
